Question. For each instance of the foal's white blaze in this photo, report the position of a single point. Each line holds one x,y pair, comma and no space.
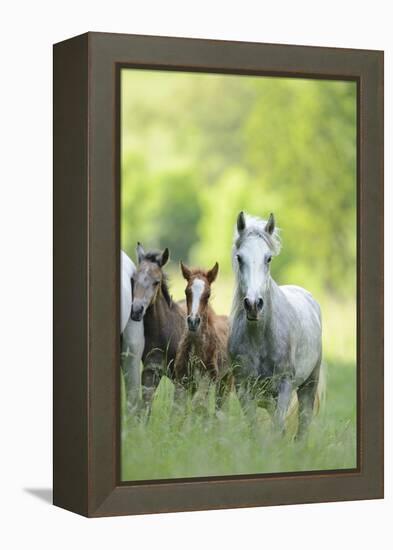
197,289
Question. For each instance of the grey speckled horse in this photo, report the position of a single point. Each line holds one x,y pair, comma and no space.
275,341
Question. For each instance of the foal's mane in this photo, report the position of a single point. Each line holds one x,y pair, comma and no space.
155,257
256,227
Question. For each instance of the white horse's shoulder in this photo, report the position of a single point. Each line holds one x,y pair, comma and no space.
294,289
297,294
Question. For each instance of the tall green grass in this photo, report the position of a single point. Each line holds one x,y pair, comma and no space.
195,442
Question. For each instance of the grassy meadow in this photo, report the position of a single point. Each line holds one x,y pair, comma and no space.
195,150
200,444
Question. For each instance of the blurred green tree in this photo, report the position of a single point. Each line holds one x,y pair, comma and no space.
197,149
178,214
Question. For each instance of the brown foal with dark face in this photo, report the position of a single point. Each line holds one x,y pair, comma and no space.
163,320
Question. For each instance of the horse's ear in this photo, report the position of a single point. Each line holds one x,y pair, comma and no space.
212,274
164,257
140,252
270,225
241,222
186,271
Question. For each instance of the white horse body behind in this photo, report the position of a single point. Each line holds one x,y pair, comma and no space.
132,332
308,317
127,272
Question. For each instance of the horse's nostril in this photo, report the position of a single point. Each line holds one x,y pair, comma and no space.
136,309
260,303
247,303
193,322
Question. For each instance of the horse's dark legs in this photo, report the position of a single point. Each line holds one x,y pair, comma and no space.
151,377
183,389
306,397
132,344
283,400
223,389
248,404
221,393
132,382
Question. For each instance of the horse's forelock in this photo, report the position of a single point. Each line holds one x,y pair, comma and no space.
153,256
198,273
255,227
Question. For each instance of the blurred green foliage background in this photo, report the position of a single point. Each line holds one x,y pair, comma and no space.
198,148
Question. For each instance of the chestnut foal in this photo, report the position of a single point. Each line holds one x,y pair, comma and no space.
203,346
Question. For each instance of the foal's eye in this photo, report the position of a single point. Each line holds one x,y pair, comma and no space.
156,283
239,259
268,259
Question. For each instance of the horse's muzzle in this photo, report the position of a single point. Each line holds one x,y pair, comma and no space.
253,308
137,313
193,323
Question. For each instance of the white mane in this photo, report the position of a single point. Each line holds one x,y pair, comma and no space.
256,226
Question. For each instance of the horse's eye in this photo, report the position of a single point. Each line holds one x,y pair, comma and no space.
268,259
239,259
156,283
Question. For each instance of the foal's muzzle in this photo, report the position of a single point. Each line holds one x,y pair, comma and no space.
193,323
253,308
137,312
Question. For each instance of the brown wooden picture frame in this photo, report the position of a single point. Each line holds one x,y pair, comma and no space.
87,263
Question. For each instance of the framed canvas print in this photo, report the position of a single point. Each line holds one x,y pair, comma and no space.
218,274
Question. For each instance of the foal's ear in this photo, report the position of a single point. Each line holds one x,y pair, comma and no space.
186,271
140,252
164,257
212,274
241,222
270,225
